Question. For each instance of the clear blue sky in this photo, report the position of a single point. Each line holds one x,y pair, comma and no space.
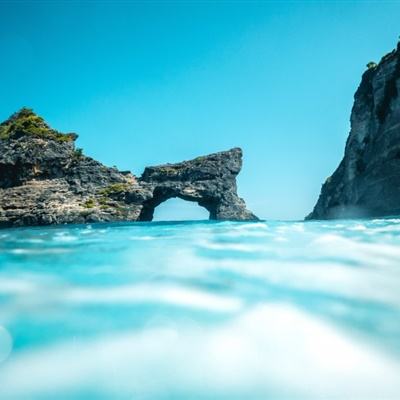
150,82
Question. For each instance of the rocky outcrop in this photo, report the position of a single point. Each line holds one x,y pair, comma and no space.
367,181
45,180
209,181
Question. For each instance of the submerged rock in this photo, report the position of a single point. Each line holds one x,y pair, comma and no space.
45,180
367,181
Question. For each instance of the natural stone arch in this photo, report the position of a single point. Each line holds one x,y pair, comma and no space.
162,194
209,181
45,180
176,209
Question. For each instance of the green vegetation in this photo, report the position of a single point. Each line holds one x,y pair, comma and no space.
85,213
168,170
89,203
200,160
78,153
105,204
103,201
114,189
26,122
372,65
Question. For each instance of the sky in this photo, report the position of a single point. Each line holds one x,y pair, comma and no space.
150,82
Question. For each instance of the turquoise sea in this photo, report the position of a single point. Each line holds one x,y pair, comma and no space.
201,310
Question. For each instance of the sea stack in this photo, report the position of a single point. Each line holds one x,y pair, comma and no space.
367,180
45,179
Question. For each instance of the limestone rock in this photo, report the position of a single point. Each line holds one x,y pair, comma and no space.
45,180
210,181
367,181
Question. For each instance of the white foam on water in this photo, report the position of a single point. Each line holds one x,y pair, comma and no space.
16,286
357,227
39,251
242,247
65,238
256,355
42,292
367,254
168,294
227,310
143,238
252,225
331,278
35,240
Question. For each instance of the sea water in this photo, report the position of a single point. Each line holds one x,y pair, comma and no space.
201,310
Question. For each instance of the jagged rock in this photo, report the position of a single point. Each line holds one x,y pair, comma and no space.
367,181
210,181
45,180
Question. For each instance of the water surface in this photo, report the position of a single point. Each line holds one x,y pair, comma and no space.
266,310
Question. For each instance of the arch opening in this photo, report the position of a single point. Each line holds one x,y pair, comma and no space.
177,209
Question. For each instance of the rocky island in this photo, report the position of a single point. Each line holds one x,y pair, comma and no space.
367,180
45,179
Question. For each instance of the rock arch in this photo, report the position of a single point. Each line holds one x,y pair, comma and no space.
176,209
45,180
209,181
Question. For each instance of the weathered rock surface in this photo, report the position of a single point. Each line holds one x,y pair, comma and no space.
210,181
45,180
367,181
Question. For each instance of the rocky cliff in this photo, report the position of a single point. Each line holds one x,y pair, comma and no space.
45,180
367,181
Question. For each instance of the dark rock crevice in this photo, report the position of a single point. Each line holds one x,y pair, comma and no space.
390,91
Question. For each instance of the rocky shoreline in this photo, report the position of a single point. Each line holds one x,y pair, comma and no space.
45,179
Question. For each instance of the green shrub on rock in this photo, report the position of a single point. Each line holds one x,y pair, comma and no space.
78,153
90,203
26,122
115,188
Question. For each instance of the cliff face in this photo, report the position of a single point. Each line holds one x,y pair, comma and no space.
45,180
367,181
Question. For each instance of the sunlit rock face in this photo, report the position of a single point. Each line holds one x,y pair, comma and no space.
209,180
45,180
367,181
